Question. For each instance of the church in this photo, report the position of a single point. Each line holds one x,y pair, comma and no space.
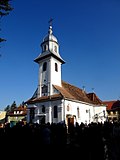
56,101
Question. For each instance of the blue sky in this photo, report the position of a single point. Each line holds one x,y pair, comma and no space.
88,32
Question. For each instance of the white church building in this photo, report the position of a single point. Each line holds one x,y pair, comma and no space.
56,101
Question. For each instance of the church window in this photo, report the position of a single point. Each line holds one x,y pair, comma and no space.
55,48
78,112
55,112
43,108
44,89
32,114
44,66
56,67
45,47
68,107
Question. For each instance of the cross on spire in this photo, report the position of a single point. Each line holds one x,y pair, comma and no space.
50,21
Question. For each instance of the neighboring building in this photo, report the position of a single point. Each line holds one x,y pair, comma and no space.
56,101
113,110
17,115
2,118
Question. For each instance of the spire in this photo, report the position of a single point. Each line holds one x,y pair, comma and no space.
50,26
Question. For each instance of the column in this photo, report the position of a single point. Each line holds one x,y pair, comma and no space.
50,114
28,115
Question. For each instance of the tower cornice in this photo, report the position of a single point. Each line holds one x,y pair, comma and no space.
50,54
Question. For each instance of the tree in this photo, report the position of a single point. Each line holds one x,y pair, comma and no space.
10,108
13,106
5,8
7,109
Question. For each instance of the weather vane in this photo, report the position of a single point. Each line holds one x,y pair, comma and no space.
50,21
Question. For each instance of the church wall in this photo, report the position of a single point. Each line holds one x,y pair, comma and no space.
66,109
100,114
51,46
49,112
55,76
86,111
43,77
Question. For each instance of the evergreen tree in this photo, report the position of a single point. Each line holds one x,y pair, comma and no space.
5,8
7,109
13,106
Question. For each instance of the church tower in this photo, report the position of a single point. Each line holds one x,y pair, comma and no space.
50,63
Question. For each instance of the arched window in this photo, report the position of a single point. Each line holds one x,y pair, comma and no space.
56,67
43,108
55,112
68,107
44,66
45,47
78,112
32,114
55,48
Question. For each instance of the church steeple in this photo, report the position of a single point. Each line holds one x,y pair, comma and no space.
50,30
50,46
50,63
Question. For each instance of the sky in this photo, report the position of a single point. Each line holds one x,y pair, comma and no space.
88,32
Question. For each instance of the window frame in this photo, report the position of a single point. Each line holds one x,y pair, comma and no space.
44,66
56,67
55,111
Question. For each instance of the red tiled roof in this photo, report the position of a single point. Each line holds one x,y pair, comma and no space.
112,105
20,108
93,97
70,92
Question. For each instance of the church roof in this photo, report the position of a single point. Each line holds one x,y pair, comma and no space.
112,105
50,51
48,54
93,97
70,92
50,36
74,93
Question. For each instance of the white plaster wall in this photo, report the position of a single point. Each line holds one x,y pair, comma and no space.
85,117
57,103
52,45
43,76
87,111
49,111
55,76
99,110
50,75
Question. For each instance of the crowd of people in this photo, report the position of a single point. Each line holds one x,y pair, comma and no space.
95,141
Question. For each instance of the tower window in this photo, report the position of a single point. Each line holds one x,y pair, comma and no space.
44,66
55,48
56,67
44,89
55,112
45,47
